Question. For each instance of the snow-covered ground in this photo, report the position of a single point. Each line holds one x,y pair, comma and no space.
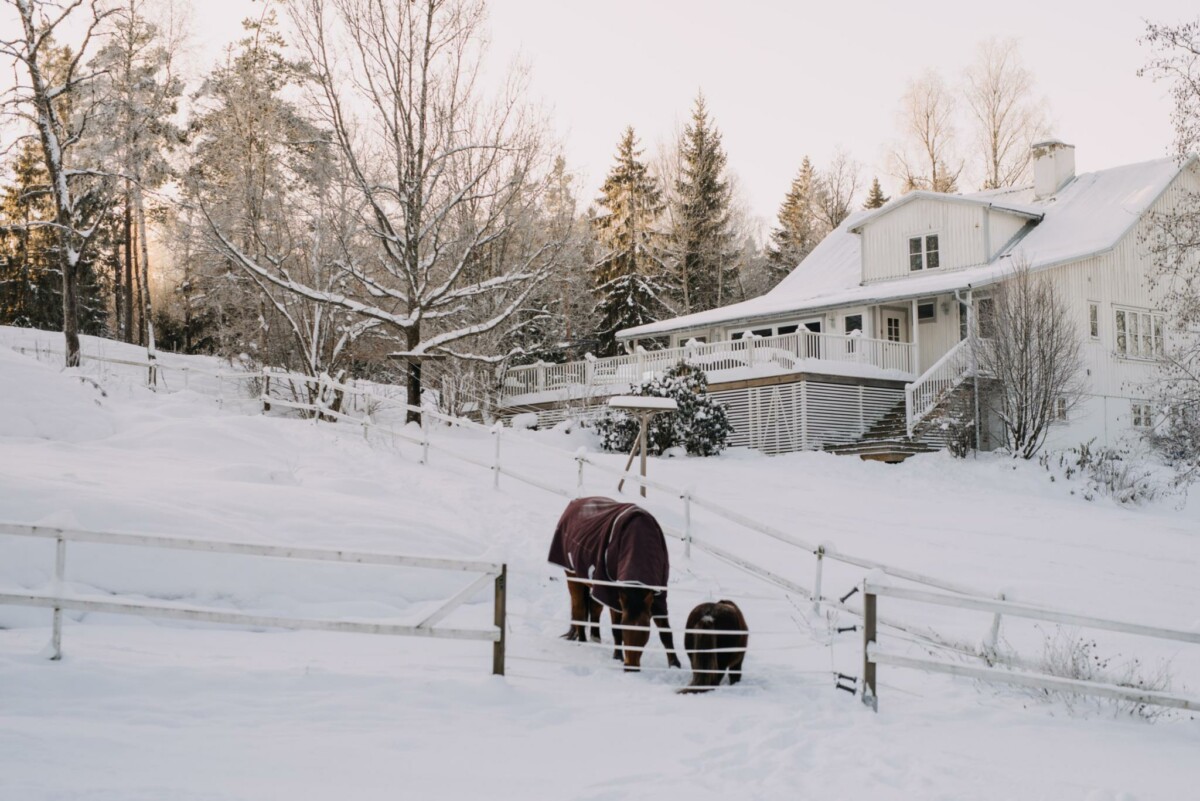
145,710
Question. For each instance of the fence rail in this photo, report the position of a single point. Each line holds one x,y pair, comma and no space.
58,600
873,655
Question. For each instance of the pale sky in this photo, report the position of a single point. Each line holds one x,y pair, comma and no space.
785,79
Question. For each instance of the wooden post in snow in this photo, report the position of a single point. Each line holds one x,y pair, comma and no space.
499,617
868,683
646,407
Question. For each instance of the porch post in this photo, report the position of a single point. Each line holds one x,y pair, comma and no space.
916,338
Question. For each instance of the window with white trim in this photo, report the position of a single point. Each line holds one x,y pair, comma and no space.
927,311
1141,414
923,252
1060,409
1139,334
1094,320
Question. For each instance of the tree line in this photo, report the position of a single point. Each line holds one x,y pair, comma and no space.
349,200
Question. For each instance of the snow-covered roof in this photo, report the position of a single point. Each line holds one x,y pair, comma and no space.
1089,215
1001,204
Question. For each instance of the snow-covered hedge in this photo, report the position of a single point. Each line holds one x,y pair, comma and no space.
700,425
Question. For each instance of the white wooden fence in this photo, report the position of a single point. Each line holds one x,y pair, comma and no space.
963,596
58,599
873,655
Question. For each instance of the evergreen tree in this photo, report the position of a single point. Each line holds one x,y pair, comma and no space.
799,229
630,275
702,239
875,198
700,425
252,153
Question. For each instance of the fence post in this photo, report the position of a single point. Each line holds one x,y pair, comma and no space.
496,431
60,569
817,580
994,636
869,696
366,424
424,436
687,522
579,461
266,394
498,645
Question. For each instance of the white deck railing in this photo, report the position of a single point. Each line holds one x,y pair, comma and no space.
923,395
786,353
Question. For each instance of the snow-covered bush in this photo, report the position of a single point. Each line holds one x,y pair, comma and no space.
700,425
1068,655
1105,472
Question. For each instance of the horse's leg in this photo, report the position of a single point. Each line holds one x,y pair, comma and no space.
594,617
659,611
618,635
579,610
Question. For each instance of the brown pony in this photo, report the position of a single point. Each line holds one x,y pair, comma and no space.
621,547
709,650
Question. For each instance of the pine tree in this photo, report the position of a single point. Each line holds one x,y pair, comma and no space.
630,275
702,240
875,198
799,230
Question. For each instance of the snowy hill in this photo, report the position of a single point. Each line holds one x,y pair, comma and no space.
164,711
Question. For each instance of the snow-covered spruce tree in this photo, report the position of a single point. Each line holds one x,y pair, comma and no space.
58,102
139,89
799,229
875,197
700,425
630,275
702,242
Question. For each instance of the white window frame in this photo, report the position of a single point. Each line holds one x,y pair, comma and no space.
923,241
930,302
1141,414
1137,333
1060,409
1093,320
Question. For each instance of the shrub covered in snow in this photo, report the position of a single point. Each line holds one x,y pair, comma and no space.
700,425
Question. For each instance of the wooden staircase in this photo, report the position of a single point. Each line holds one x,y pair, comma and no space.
888,440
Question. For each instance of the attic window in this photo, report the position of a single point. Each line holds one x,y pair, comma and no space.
923,252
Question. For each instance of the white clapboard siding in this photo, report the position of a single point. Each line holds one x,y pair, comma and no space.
806,415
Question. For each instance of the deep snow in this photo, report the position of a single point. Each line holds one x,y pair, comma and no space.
142,710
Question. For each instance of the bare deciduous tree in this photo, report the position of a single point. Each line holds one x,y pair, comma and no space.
442,178
1006,119
58,105
1031,349
926,156
837,187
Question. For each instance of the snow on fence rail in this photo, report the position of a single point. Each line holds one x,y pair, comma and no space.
873,655
58,600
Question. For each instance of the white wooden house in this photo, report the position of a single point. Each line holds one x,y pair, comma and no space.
866,338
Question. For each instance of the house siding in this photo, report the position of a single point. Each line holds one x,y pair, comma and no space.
968,235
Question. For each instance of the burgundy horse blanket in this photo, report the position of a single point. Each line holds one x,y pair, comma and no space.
606,540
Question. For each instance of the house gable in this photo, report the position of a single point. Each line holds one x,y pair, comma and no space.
929,233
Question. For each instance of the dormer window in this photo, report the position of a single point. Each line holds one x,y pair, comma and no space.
923,252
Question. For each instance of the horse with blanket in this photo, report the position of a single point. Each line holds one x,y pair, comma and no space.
615,555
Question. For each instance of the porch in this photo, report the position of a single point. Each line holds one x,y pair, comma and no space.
803,351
